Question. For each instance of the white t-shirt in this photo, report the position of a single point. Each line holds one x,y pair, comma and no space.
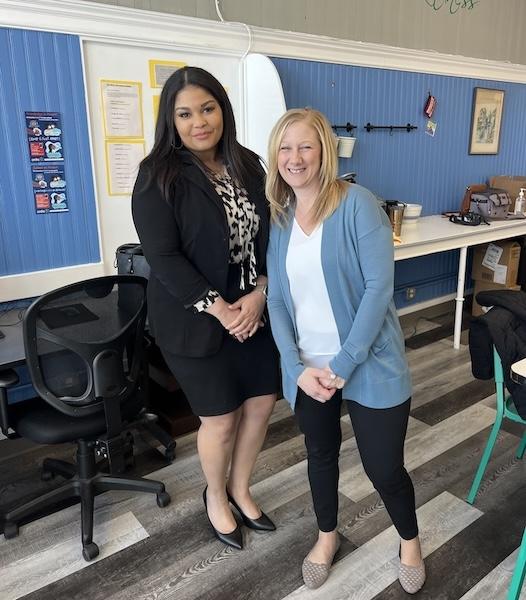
318,335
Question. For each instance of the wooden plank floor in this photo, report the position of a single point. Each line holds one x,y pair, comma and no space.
153,553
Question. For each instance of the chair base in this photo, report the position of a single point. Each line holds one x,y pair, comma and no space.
85,482
149,421
53,466
161,435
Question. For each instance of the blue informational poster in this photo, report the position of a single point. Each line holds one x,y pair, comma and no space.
44,136
49,188
46,154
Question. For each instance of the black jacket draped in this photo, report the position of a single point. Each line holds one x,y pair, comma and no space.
186,243
504,326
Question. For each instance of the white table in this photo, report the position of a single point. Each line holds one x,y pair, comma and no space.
518,371
436,234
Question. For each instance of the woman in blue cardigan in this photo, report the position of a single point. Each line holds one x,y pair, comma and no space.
331,269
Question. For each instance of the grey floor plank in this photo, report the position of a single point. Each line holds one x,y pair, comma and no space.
273,558
163,567
453,471
437,361
439,383
373,566
440,353
444,330
282,410
280,431
179,558
458,565
10,448
414,329
58,560
454,401
496,583
421,447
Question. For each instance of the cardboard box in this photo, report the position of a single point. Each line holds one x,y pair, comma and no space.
511,183
483,286
497,262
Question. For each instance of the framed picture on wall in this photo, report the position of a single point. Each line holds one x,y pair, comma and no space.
486,121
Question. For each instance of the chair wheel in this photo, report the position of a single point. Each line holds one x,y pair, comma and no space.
47,475
163,499
90,551
10,530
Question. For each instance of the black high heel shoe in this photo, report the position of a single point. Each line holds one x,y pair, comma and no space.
234,538
262,523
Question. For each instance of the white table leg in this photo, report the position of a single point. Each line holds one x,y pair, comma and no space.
460,297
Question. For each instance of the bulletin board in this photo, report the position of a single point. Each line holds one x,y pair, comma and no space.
47,201
63,219
116,158
252,84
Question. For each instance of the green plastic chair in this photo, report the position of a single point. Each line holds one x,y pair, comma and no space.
517,578
505,410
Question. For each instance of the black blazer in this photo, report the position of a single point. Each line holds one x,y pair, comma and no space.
504,326
185,241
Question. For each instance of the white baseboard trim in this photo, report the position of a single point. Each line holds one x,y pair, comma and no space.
29,285
426,304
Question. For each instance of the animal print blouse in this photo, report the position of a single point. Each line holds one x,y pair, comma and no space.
243,225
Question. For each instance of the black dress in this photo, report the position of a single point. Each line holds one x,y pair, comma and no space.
219,384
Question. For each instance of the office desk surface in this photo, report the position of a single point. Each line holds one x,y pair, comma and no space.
12,345
429,235
437,234
518,371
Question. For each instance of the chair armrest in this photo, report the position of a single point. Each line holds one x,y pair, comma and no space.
8,378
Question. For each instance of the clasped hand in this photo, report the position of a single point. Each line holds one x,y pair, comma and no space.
320,384
247,312
242,318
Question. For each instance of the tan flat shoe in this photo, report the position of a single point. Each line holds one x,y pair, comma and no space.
316,574
412,578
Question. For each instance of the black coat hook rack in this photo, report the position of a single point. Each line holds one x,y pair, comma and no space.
348,127
391,128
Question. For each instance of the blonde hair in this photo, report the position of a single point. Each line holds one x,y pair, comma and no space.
332,189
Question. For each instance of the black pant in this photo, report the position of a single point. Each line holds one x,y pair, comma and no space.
380,436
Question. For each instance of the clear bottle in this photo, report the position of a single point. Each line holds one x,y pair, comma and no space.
520,203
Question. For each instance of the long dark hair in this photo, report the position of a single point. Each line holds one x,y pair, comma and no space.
163,162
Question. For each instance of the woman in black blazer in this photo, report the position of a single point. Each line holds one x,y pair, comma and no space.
202,218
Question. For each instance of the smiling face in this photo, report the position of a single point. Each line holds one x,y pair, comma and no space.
299,158
198,119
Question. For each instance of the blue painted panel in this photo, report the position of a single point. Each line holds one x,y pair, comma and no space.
412,167
43,72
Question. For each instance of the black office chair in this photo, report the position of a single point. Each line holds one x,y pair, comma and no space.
130,260
84,350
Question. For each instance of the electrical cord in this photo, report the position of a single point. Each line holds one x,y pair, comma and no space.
432,319
20,317
249,31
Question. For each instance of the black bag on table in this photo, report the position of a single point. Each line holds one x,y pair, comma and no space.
129,260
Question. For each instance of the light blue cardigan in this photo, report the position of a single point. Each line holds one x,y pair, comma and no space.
358,266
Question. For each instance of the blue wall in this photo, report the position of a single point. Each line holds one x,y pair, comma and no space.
43,72
412,167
